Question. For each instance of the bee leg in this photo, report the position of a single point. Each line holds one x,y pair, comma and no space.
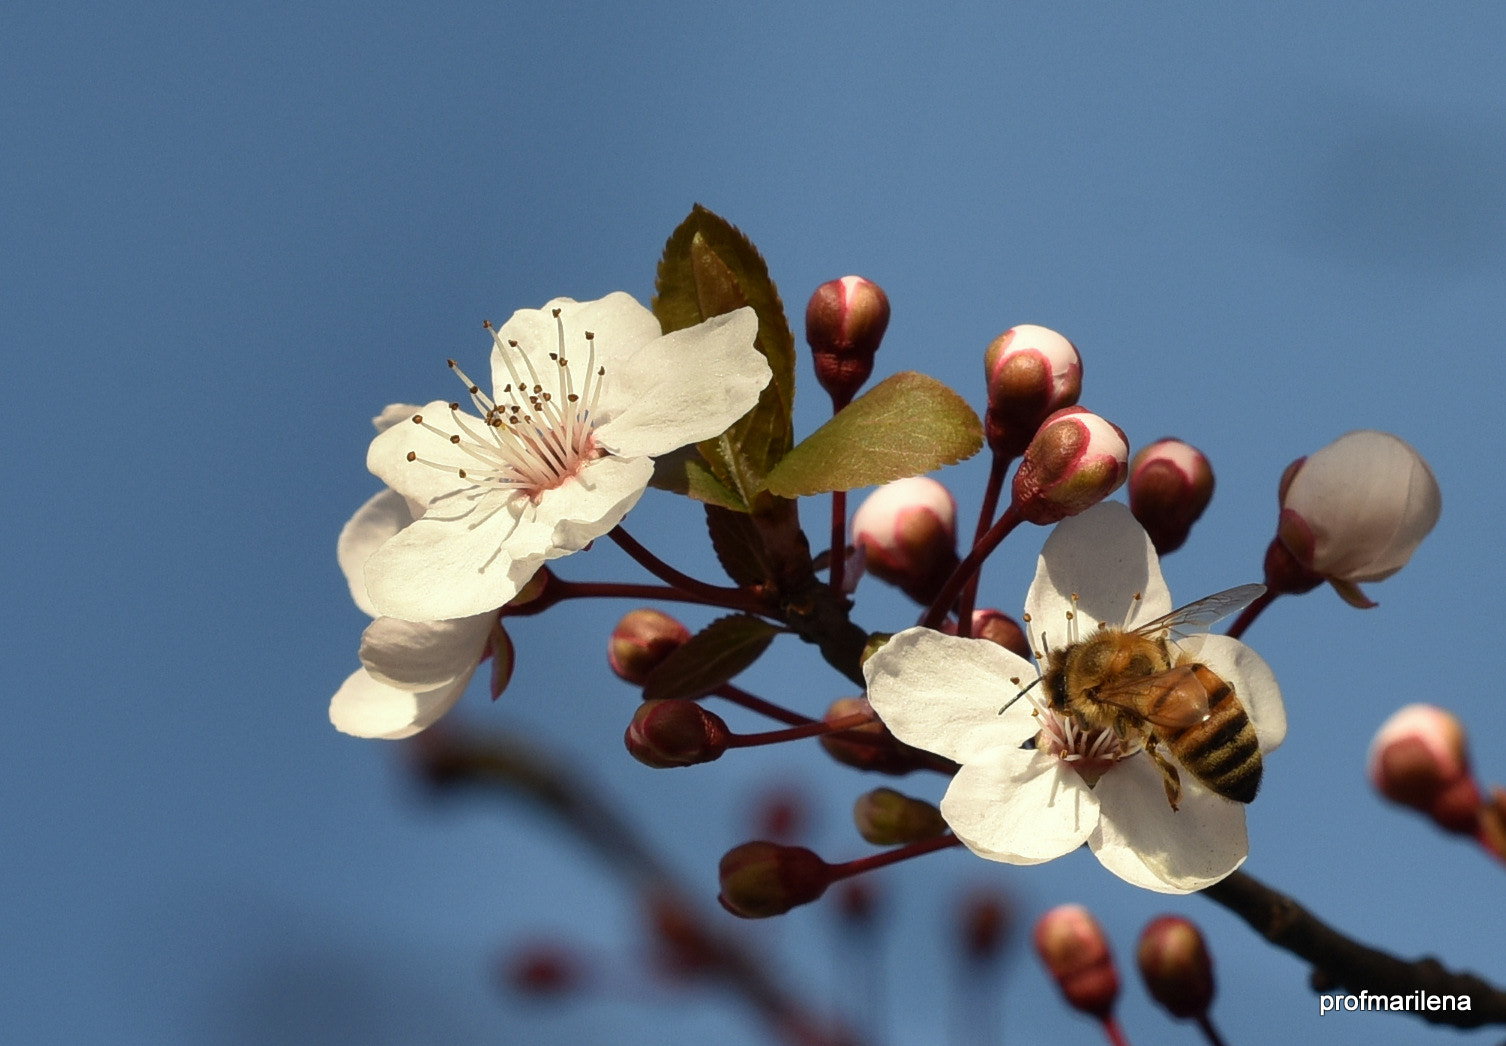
1170,779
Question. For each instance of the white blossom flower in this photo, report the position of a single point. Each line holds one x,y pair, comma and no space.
1034,785
584,396
412,672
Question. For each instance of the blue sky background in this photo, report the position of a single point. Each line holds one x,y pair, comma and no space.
232,234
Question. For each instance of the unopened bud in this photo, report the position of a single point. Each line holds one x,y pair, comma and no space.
675,732
1075,461
1032,372
844,322
997,627
760,879
908,532
1420,758
1075,952
985,920
1357,509
1177,968
641,640
867,747
885,817
1170,484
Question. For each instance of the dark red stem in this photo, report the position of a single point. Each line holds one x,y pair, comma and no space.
969,566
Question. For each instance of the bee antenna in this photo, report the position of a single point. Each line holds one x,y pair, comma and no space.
1025,690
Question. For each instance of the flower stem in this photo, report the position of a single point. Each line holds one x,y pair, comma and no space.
1251,612
753,703
1209,1031
561,590
795,733
969,566
838,552
714,594
1114,1033
900,853
985,520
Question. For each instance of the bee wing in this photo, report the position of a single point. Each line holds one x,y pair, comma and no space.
1196,617
1174,699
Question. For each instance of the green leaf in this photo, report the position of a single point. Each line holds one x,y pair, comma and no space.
684,471
709,267
739,546
906,425
710,657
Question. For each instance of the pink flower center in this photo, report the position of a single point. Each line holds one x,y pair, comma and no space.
1092,753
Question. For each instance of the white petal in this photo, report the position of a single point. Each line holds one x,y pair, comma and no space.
620,324
943,693
366,708
585,508
1105,558
1254,684
421,655
684,387
380,518
1019,807
1144,842
387,457
448,567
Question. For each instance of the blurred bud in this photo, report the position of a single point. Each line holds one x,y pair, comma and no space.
1032,372
675,732
884,817
857,903
1419,758
760,879
985,920
1072,947
681,947
781,814
844,322
1357,509
543,970
1170,484
1075,461
867,747
908,532
997,627
1176,966
641,640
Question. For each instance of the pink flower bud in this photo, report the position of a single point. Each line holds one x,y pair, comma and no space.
907,530
675,733
1031,372
1075,461
1170,484
1177,968
885,817
1419,758
996,627
844,322
1357,509
641,640
1075,952
760,879
870,746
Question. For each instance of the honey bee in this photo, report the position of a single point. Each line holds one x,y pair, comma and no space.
1139,684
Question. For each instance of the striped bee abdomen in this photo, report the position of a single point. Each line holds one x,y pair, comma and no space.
1222,750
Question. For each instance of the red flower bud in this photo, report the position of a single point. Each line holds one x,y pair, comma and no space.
996,627
1420,758
1032,372
870,746
760,879
1176,966
1075,461
543,969
985,921
844,322
1170,484
1076,953
675,732
641,640
907,530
